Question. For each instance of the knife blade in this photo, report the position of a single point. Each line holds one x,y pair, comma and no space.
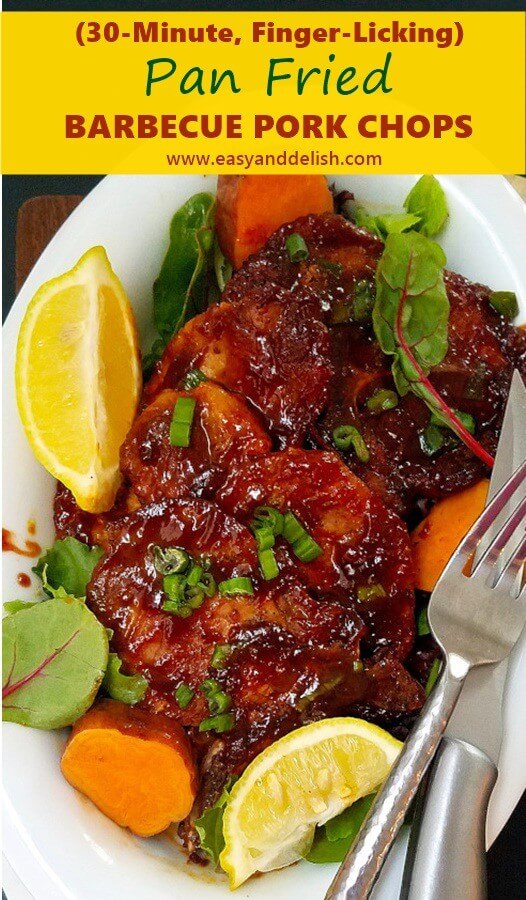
484,687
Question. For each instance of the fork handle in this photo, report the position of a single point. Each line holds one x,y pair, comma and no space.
446,854
361,866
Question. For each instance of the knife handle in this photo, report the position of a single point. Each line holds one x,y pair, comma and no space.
446,856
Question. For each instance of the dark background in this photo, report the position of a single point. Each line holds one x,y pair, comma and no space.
366,6
507,858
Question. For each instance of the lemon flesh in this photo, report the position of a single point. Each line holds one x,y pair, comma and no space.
78,378
303,780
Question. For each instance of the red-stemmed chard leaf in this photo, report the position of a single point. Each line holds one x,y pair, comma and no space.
410,319
54,655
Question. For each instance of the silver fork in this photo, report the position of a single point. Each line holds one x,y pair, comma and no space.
476,617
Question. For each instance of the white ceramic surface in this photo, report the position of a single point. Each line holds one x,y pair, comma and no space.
57,842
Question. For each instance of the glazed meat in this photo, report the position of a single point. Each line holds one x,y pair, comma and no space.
126,592
366,551
474,376
127,595
90,528
273,350
224,431
291,654
340,256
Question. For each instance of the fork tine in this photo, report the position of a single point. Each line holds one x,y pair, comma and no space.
507,579
493,555
469,544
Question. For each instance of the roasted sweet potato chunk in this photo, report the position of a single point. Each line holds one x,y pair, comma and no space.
439,534
137,767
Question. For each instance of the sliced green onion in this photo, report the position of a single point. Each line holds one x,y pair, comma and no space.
303,545
296,247
370,592
173,586
422,623
363,301
265,538
221,723
357,665
268,517
183,597
169,560
209,686
292,528
181,424
208,584
268,564
467,420
505,302
306,548
177,608
347,436
194,596
335,267
218,701
184,695
381,401
220,655
431,440
433,675
235,586
193,378
194,576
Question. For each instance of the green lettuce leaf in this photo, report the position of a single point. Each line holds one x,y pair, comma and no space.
54,656
427,201
128,689
67,565
209,826
425,211
386,223
13,606
332,840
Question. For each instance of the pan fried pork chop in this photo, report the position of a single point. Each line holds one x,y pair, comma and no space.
273,350
474,376
292,656
126,593
366,558
224,431
340,256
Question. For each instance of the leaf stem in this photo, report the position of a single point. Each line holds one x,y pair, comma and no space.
16,685
476,448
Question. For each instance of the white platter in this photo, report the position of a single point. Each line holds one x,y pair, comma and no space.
56,841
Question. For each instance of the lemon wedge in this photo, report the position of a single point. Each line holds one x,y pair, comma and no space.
303,780
78,378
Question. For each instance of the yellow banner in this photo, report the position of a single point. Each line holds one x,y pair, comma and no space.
246,92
